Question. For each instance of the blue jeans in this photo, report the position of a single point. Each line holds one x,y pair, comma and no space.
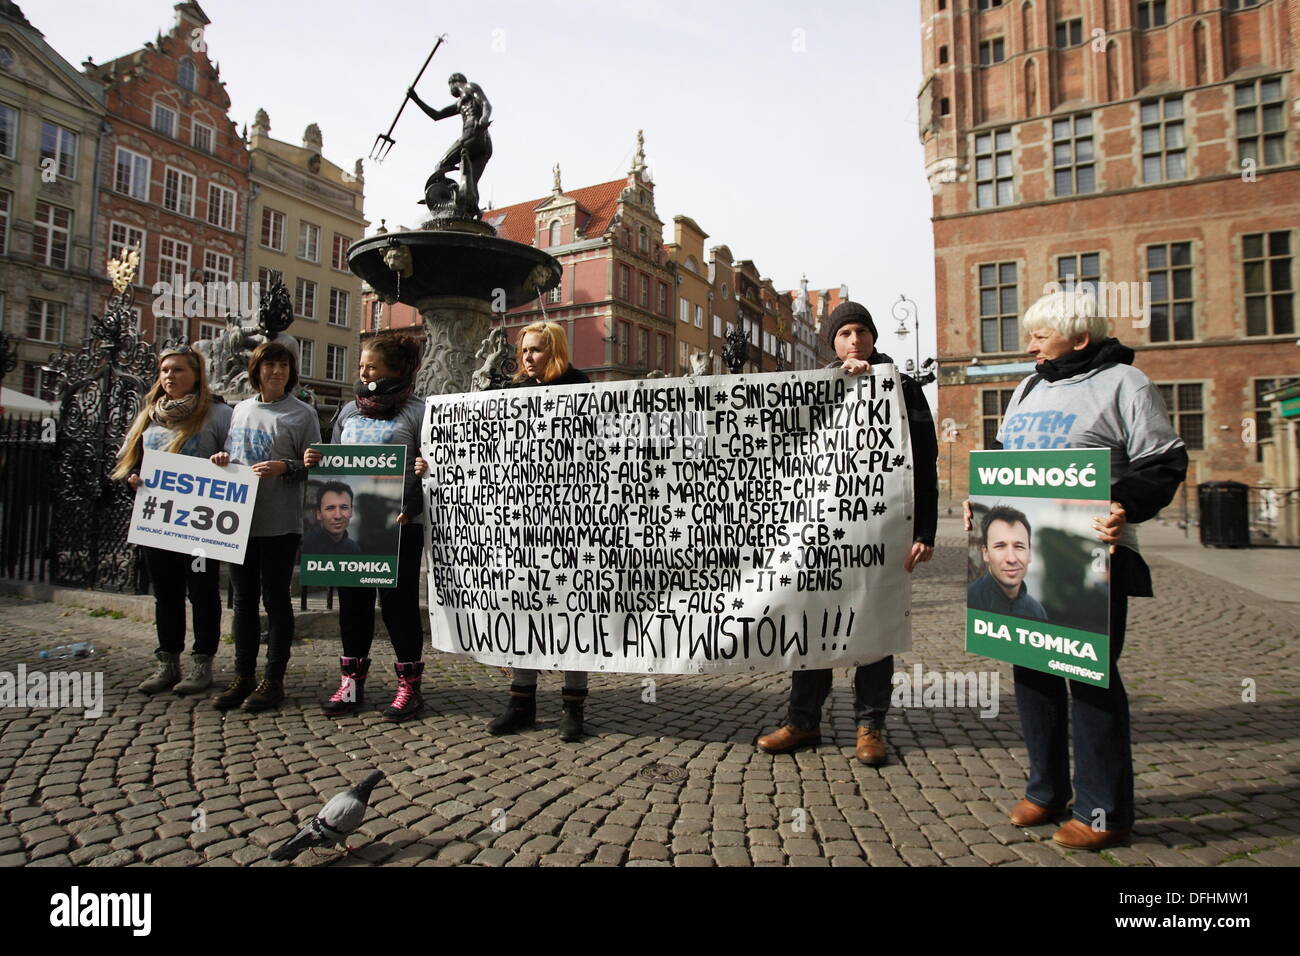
873,686
1103,755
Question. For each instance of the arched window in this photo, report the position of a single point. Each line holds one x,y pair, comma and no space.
187,76
692,264
555,233
644,240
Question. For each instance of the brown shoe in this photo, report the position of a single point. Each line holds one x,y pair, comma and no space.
871,746
789,738
1026,813
1080,836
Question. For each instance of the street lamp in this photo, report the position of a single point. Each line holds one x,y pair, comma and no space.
903,310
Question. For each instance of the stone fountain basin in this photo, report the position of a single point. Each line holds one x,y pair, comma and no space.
448,263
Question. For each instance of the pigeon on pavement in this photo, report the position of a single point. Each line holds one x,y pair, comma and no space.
338,818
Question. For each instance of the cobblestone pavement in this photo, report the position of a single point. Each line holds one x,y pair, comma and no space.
677,781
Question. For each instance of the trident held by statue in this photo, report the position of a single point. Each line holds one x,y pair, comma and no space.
384,141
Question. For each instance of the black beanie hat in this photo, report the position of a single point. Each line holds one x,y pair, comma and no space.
847,312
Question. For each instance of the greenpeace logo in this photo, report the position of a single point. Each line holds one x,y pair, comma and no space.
76,909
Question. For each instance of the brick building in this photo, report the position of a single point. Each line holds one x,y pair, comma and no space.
173,178
616,297
51,118
1118,144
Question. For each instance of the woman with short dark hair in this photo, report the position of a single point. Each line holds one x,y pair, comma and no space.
270,432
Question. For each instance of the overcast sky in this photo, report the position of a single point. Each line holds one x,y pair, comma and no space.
787,131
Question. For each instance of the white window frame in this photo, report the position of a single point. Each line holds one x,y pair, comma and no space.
169,130
336,370
195,126
131,235
337,296
684,310
66,142
308,241
699,316
274,216
6,214
60,323
181,208
165,273
307,352
194,75
210,330
51,231
13,131
300,286
137,186
224,206
339,253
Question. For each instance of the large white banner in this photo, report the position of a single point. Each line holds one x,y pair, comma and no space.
190,505
698,525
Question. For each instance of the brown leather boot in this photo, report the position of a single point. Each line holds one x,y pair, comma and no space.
1026,813
789,738
871,746
1080,836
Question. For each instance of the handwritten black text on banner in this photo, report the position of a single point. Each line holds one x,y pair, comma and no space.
680,525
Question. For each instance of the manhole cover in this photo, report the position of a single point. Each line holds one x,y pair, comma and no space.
662,773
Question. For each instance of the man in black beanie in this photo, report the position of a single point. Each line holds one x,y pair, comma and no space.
853,336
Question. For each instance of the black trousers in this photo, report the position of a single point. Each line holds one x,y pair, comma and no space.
173,576
400,605
872,688
265,575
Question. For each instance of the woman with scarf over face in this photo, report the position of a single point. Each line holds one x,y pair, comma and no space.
179,416
385,412
1085,393
543,360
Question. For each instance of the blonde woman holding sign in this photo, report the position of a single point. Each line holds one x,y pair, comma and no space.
543,357
179,416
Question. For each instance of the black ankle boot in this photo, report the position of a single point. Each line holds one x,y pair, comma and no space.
521,712
571,722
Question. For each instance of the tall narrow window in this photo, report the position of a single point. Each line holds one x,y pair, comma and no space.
308,242
221,206
131,175
273,229
186,75
339,256
1261,122
304,299
60,145
204,136
1270,299
993,169
6,203
51,230
993,405
173,260
8,131
1164,147
999,307
1263,413
1072,155
1185,403
336,363
121,238
307,349
178,192
1169,270
553,239
340,305
164,120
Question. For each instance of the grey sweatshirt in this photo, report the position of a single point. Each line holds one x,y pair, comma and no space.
274,431
1114,406
353,428
209,440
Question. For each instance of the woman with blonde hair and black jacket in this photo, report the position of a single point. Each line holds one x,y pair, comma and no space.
179,416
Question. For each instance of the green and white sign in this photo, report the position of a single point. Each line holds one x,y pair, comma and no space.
1038,591
353,499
